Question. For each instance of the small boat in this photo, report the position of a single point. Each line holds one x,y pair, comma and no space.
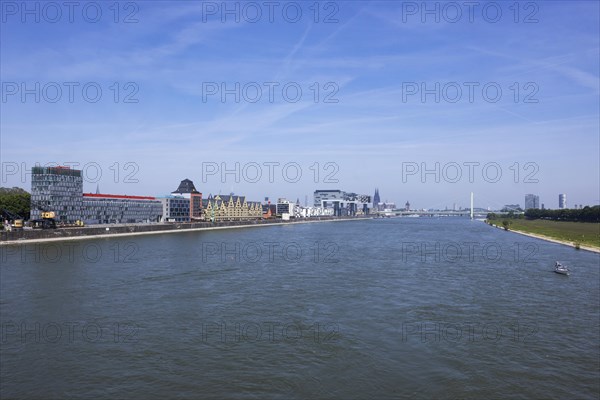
561,269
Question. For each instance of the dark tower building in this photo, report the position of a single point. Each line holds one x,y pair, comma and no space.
376,199
188,190
185,187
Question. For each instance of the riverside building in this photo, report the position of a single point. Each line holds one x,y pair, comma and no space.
183,205
119,209
231,208
60,189
342,203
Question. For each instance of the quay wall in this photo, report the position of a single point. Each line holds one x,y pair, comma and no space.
26,235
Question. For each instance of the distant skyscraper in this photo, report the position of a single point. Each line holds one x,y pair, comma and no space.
376,199
562,200
532,201
407,206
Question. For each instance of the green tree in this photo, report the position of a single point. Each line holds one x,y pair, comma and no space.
16,201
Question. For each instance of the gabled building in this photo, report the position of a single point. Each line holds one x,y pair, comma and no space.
230,208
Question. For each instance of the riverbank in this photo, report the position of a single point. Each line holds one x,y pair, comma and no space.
106,231
571,234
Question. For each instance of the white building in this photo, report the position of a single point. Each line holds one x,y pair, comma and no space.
285,206
342,203
562,200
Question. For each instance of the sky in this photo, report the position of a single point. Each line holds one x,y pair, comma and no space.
427,101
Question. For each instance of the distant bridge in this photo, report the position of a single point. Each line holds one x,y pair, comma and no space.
466,212
441,213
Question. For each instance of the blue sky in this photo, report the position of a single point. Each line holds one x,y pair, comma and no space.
368,56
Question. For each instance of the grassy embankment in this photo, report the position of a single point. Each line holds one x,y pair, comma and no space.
584,233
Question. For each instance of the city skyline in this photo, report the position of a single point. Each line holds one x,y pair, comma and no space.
375,199
364,73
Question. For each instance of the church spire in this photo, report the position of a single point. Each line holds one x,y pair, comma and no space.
376,199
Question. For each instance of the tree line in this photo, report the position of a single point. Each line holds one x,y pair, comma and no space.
585,214
16,201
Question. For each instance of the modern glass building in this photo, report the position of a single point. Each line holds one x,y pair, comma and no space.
57,189
325,198
175,209
118,209
60,189
532,201
342,203
183,205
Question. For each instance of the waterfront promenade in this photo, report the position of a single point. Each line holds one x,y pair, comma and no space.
103,231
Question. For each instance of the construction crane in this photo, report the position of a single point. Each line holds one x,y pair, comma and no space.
47,220
15,220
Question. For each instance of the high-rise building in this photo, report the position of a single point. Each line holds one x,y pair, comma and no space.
325,198
562,200
58,189
532,201
342,203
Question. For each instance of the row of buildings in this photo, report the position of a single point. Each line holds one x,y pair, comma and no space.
533,201
60,190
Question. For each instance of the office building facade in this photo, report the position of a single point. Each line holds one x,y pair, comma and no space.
175,209
57,189
60,190
342,203
120,209
284,206
532,201
184,204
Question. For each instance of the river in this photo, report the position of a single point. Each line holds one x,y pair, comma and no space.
383,308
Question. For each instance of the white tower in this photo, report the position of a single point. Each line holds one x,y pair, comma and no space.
471,205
